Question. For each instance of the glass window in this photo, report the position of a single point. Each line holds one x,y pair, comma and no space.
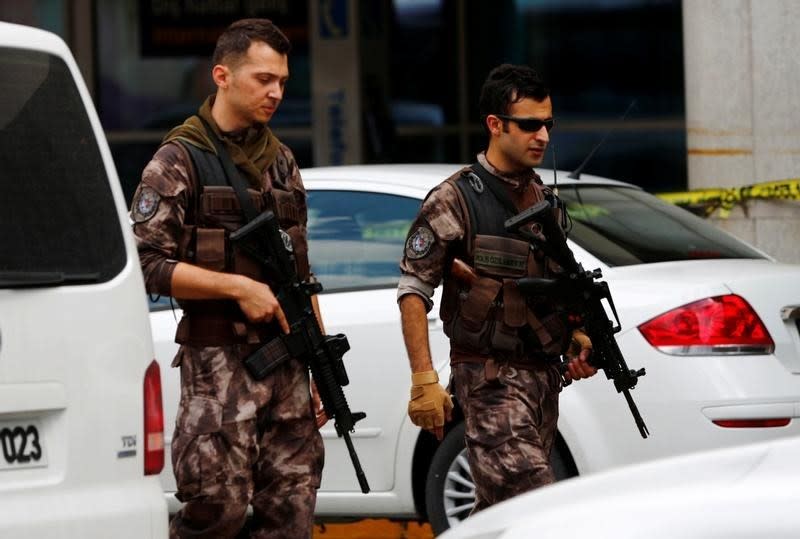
154,71
58,219
623,226
46,14
356,239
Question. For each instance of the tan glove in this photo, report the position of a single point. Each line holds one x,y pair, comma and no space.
580,341
430,404
578,354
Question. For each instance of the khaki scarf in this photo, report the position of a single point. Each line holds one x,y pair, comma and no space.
252,155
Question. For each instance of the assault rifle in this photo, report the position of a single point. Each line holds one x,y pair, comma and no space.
583,297
262,240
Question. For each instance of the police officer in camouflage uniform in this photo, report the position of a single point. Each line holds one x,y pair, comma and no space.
505,349
237,441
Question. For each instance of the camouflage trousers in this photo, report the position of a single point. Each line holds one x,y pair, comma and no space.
510,428
238,442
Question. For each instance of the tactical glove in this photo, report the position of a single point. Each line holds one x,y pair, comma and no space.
430,404
580,341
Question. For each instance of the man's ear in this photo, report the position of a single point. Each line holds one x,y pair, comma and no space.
221,75
494,124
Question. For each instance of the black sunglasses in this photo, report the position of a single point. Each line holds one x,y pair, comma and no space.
530,125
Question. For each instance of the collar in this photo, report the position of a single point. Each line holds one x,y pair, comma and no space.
517,181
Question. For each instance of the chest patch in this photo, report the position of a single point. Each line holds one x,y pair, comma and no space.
145,204
419,243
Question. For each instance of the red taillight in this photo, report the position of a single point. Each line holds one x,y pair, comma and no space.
153,421
720,325
752,423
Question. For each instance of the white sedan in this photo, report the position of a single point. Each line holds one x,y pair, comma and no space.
749,491
712,320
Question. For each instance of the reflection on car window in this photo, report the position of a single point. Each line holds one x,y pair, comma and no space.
58,220
623,226
355,239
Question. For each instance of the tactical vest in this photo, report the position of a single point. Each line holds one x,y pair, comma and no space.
489,317
211,216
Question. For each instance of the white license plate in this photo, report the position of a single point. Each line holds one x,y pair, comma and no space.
21,445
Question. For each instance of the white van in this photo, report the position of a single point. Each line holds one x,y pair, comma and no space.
81,423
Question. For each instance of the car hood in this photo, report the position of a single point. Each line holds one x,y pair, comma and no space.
720,493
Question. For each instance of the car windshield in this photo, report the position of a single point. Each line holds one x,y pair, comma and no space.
623,226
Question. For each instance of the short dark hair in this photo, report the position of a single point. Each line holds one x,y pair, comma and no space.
233,43
507,84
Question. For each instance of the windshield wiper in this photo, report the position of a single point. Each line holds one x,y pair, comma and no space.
26,279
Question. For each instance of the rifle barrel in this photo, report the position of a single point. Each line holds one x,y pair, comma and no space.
362,478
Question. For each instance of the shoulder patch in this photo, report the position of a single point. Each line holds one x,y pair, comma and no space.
145,204
419,243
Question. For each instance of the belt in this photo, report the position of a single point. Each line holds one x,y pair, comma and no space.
526,363
209,330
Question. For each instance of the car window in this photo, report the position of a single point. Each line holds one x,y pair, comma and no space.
58,220
623,226
355,239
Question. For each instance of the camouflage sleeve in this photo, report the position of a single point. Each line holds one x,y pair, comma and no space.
439,224
157,211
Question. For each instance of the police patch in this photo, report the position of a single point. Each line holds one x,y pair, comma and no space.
287,241
145,204
419,243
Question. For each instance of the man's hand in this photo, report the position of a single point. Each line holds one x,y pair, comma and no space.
255,299
259,304
578,355
319,411
430,405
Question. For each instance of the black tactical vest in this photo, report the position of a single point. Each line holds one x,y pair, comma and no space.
489,317
213,215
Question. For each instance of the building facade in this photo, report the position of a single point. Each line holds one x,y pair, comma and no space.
398,81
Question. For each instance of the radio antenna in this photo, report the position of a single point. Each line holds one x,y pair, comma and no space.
576,174
555,174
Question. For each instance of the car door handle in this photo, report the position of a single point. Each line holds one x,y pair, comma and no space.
790,312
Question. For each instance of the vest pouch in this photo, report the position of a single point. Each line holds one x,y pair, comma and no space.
210,248
515,309
222,204
558,330
506,340
551,332
473,321
287,207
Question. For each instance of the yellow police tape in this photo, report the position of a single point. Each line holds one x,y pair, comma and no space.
706,201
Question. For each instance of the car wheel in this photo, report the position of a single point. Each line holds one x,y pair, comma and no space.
449,490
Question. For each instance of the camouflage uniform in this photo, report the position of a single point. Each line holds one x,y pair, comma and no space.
510,406
237,441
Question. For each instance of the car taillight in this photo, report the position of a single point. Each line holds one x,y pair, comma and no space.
153,421
752,423
722,325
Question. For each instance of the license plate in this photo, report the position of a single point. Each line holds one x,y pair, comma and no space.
21,445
